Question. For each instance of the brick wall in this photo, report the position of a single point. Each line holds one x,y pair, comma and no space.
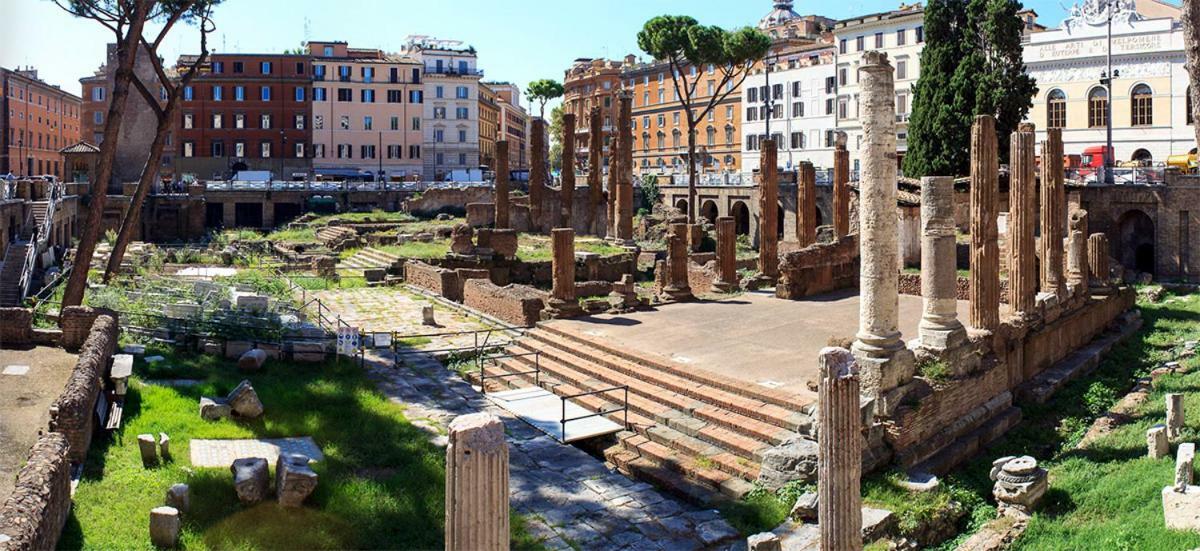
72,413
818,269
76,323
518,305
440,281
34,515
16,326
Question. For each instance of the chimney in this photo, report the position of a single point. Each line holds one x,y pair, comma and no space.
630,59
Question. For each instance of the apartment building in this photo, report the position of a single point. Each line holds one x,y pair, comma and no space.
138,123
513,124
247,112
900,34
37,120
593,83
796,100
367,113
450,114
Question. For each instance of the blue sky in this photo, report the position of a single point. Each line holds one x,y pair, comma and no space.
518,41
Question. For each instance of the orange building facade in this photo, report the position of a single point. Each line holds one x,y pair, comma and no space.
37,121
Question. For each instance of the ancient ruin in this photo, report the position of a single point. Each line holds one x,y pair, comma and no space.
477,484
502,185
841,187
985,253
939,327
806,205
567,186
1022,200
768,196
840,459
727,279
1053,217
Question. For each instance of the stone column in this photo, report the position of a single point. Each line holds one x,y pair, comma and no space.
841,187
984,291
726,255
677,287
614,171
1098,269
624,223
939,327
537,174
839,462
562,248
595,168
885,362
567,189
768,208
1077,261
502,184
1022,281
1174,415
806,204
1054,214
477,505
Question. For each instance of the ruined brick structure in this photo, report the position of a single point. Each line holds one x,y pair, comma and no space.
34,514
73,412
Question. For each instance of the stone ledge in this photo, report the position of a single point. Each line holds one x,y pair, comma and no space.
1039,389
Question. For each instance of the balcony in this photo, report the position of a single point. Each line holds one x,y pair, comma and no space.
453,72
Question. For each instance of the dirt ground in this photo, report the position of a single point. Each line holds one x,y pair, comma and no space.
25,404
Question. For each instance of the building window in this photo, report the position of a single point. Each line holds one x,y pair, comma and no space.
318,72
318,94
920,34
217,93
187,93
414,152
368,96
266,93
842,46
188,121
216,121
98,94
366,151
368,123
439,135
439,112
239,121
318,122
394,96
1142,106
266,150
266,70
239,149
1097,107
328,51
299,93
797,140
859,43
265,121
218,149
462,93
189,149
395,123
237,67
461,113
98,118
462,136
299,122
218,67
416,96
462,159
416,123
879,40
299,150
344,122
345,95
439,92
901,37
299,67
1056,109
901,69
368,74
711,136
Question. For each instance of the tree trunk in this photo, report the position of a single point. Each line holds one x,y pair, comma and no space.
691,172
1191,47
133,213
127,48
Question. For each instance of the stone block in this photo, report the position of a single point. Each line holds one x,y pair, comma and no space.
148,448
374,275
179,496
1184,470
164,527
212,347
308,352
504,242
235,349
122,368
805,508
252,303
294,479
181,310
427,316
244,402
1174,415
250,479
164,446
765,541
252,360
1181,509
1157,443
213,409
794,459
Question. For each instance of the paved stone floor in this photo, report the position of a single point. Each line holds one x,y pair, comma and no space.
222,453
570,497
753,336
387,309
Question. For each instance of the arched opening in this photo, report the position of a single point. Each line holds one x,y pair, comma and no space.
1142,155
820,217
239,167
708,210
1141,105
682,205
1136,240
1097,107
1056,109
741,218
779,223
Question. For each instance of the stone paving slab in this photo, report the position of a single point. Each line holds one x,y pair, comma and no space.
571,499
222,453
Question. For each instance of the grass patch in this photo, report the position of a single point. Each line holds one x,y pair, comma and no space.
303,235
934,370
381,483
415,249
537,248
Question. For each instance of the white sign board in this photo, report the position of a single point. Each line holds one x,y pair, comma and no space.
347,341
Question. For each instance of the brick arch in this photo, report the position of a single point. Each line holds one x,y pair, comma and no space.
1136,245
741,217
709,211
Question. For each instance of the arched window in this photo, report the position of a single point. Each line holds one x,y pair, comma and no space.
1097,107
675,138
646,140
1141,104
662,140
1056,109
728,134
711,136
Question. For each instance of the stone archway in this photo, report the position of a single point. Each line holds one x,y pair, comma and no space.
1135,237
708,211
1142,155
741,217
681,205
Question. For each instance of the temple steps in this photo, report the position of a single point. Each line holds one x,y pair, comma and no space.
369,258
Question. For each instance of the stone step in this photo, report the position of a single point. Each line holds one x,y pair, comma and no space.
674,407
724,401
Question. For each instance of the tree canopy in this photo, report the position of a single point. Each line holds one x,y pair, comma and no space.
543,91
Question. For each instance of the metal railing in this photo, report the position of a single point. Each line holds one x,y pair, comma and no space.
563,420
536,371
333,187
40,239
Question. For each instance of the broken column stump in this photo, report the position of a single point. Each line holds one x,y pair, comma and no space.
294,479
250,479
477,501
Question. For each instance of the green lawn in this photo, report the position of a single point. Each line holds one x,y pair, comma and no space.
381,483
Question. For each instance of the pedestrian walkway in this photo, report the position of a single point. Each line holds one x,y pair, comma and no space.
570,497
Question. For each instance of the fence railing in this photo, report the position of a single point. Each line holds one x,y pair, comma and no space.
40,239
333,187
563,419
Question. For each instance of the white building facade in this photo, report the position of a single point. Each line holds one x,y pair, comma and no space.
1150,115
799,104
451,105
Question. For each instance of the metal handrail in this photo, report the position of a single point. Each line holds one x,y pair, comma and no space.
563,420
39,240
536,371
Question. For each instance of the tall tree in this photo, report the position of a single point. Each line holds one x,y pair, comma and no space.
543,91
971,65
125,19
686,45
188,11
1191,48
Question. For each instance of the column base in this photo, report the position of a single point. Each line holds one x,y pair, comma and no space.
559,309
725,287
881,372
941,337
677,294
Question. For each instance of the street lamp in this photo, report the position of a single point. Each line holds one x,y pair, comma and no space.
1106,79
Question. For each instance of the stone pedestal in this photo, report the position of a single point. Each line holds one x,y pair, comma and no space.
1054,215
768,208
148,448
806,204
1077,254
677,287
250,479
1181,509
563,302
1098,270
164,527
984,293
624,223
939,328
1157,443
1020,485
567,188
840,451
1174,415
1022,201
294,479
502,184
179,497
595,169
1185,458
537,174
477,496
727,279
841,187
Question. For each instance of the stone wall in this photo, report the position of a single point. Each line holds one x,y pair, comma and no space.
35,512
437,280
447,200
518,305
16,326
910,284
818,268
73,412
76,323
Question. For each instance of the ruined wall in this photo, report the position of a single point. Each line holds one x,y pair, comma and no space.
448,200
440,281
818,268
518,305
910,284
35,512
76,323
72,413
1041,349
16,326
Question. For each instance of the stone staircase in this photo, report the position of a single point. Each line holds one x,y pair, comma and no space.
337,237
368,258
10,273
699,434
39,212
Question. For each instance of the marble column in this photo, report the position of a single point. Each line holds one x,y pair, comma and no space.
567,189
768,209
1054,214
614,174
477,497
839,465
1077,255
625,154
841,187
984,293
726,255
537,174
1098,269
806,204
677,287
939,328
562,248
1022,204
595,169
502,184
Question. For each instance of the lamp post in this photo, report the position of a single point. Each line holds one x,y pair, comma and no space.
1106,80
